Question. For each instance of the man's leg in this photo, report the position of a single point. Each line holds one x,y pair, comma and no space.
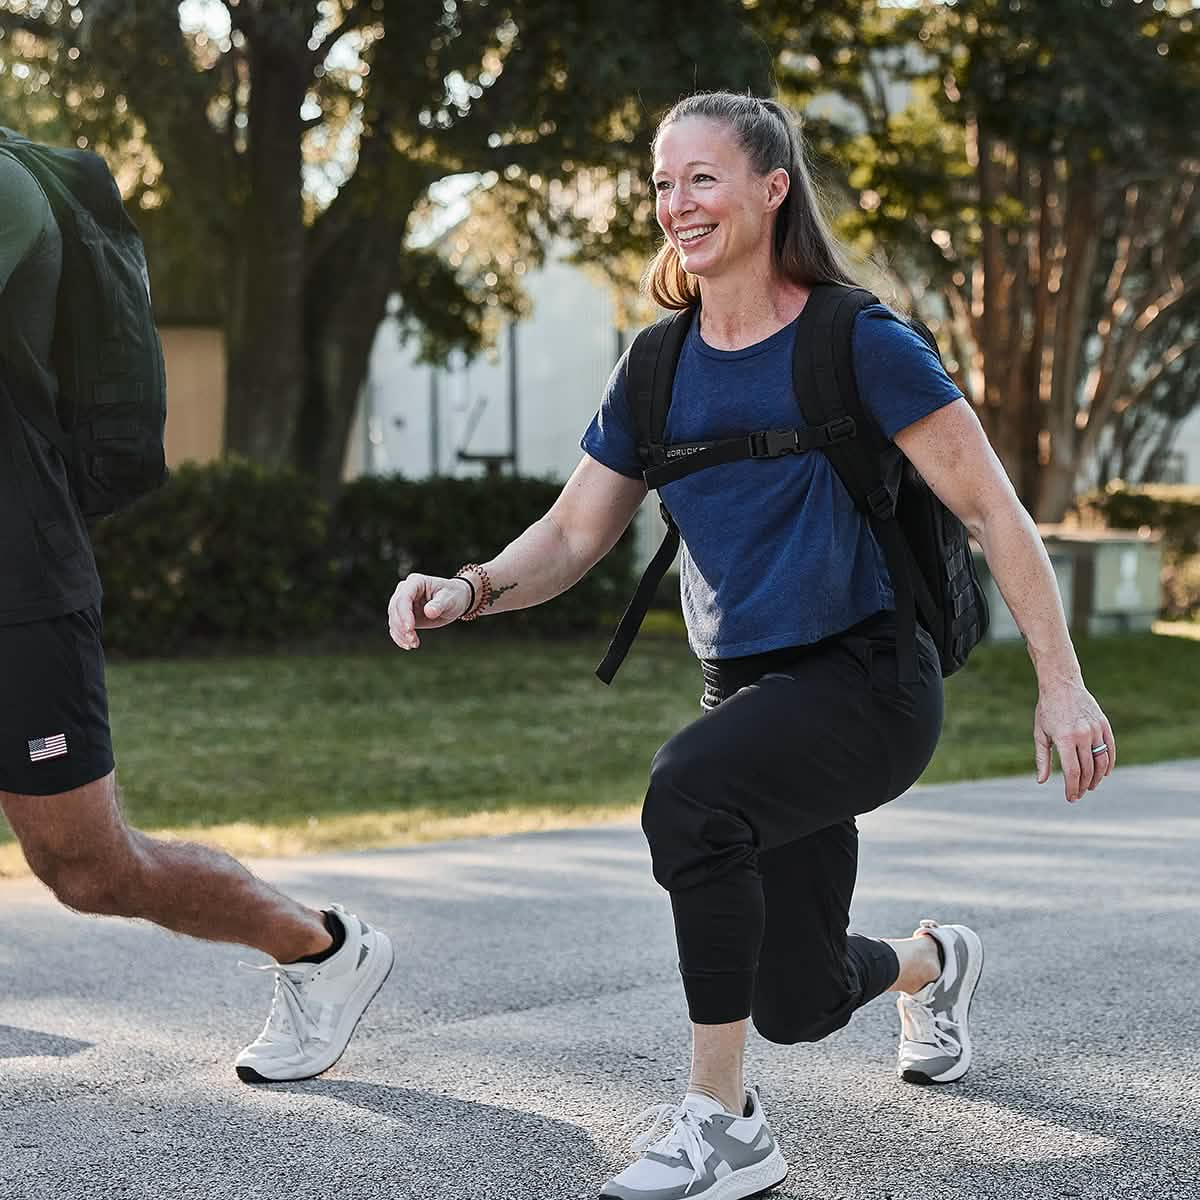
80,846
58,791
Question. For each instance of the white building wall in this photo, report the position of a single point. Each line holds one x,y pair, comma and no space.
1187,445
566,349
566,354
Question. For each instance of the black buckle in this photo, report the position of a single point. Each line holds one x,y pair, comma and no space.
839,429
655,454
771,443
881,504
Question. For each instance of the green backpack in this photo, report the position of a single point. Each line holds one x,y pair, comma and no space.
111,405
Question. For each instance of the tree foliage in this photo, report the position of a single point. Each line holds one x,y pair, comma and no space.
1030,172
286,150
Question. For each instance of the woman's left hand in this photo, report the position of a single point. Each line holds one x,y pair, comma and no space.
1068,717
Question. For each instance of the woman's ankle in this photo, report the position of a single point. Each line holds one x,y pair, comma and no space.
920,962
731,1097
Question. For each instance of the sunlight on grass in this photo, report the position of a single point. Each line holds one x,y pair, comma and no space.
473,735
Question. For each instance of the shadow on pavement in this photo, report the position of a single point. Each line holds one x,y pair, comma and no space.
30,1043
447,1148
1096,1150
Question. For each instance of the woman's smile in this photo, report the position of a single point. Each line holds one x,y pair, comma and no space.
688,235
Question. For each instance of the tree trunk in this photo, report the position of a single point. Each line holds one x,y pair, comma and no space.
337,362
266,320
1056,493
353,270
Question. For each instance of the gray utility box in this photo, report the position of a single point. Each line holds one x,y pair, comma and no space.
1002,627
1118,578
1110,581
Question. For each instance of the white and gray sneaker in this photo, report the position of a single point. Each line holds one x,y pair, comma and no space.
697,1151
935,1041
316,1006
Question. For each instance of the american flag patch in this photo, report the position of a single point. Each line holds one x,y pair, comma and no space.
54,746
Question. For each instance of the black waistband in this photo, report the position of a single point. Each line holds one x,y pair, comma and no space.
725,676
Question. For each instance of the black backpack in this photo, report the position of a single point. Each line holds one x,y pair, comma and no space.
111,406
924,543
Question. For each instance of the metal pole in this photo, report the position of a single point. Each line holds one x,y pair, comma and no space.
435,448
512,393
368,403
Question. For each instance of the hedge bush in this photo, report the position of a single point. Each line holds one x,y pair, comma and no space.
227,551
1173,510
233,554
385,527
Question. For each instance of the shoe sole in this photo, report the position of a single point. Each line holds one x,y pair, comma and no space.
960,1068
370,989
757,1180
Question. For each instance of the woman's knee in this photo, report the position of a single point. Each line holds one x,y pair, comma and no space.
686,817
670,795
686,777
798,1005
788,1028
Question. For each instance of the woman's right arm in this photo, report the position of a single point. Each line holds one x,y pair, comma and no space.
591,512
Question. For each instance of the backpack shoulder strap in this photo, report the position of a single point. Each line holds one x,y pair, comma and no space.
107,418
653,357
826,388
40,416
74,181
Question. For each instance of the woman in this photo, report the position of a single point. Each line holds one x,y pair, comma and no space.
750,810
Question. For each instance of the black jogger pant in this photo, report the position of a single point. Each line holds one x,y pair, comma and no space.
750,819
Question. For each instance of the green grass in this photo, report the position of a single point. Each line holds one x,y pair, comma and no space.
470,734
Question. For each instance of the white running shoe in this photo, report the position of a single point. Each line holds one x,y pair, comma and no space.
935,1040
316,1006
698,1151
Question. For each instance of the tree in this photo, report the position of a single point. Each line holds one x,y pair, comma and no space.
299,140
1146,422
1031,170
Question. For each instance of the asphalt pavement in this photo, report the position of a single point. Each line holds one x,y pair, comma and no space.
535,1009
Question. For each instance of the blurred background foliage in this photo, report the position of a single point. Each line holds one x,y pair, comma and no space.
1021,174
299,147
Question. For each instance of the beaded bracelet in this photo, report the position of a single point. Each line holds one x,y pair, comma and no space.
485,591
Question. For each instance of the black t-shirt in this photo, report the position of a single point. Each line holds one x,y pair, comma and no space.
46,563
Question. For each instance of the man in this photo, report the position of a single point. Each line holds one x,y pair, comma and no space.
57,782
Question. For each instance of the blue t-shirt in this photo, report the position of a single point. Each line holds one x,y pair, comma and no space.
774,551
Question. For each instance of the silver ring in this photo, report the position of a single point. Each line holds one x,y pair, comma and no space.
1100,749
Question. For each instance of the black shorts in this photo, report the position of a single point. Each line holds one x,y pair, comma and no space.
54,733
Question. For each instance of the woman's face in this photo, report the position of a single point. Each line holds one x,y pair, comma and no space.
712,207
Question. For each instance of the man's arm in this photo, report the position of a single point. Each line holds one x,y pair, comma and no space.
25,216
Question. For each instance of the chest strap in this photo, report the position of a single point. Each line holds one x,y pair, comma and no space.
681,459
669,463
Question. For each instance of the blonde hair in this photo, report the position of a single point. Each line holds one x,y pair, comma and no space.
804,250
